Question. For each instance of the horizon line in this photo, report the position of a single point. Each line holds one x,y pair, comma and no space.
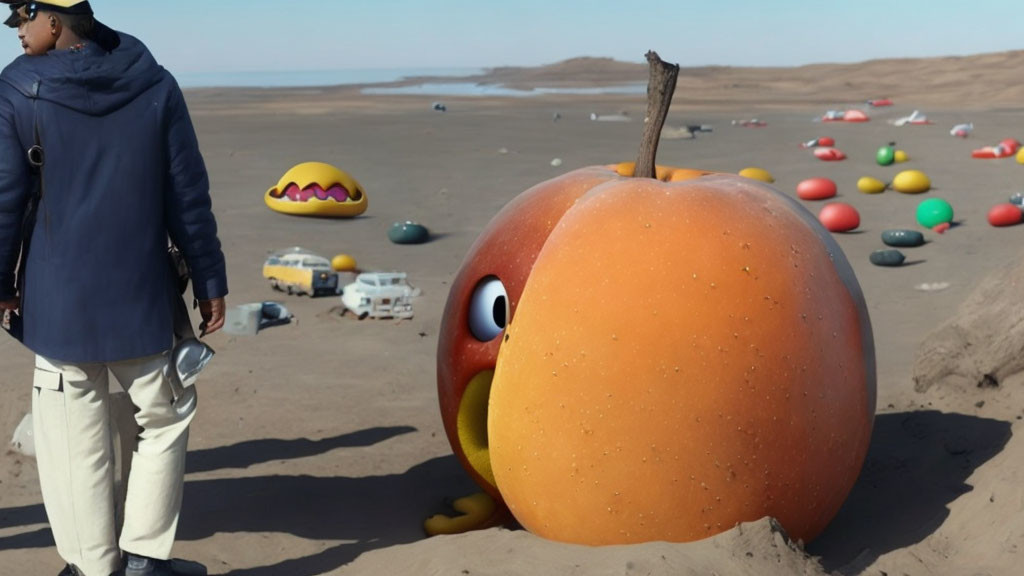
485,69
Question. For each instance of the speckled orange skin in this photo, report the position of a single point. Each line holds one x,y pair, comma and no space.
506,249
683,356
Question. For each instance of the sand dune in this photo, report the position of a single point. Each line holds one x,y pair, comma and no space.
974,82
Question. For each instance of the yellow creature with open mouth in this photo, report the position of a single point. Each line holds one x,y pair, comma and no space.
317,189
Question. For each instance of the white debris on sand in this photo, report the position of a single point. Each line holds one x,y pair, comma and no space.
24,441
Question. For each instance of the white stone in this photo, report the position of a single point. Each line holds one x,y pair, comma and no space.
24,440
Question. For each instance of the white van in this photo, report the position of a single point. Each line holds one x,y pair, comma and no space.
379,295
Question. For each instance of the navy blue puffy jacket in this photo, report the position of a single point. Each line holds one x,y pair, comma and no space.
123,170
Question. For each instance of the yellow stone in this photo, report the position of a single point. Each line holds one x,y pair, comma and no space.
757,174
911,182
869,185
343,263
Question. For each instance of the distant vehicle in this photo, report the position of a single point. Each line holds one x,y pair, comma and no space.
962,130
298,271
379,295
915,118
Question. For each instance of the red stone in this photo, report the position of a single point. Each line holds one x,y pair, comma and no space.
816,189
839,217
1004,215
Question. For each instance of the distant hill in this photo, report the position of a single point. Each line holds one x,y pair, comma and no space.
977,81
575,70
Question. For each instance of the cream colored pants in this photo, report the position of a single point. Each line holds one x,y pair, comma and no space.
75,452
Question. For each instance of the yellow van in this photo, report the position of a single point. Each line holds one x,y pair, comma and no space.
297,271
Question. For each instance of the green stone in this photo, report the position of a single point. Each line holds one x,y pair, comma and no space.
934,211
885,156
408,232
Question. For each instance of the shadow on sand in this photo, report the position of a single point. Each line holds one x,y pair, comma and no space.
369,512
245,454
20,516
918,463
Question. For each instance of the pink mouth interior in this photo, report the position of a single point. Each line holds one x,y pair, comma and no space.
337,192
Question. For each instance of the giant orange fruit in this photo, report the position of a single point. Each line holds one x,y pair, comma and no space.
626,360
484,295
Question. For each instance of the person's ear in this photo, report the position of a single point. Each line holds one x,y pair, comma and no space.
54,25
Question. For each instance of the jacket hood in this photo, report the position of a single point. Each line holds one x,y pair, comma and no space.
94,80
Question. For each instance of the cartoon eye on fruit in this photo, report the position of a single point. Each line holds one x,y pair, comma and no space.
482,301
317,189
626,359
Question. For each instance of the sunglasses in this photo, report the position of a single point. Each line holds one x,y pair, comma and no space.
16,20
31,11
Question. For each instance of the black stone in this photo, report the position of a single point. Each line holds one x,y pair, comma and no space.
887,258
902,238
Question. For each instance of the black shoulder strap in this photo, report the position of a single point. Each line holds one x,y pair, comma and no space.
36,159
36,156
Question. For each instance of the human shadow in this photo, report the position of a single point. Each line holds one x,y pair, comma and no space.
367,512
918,462
250,452
41,538
240,455
21,516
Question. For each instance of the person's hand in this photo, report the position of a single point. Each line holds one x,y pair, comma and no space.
8,308
212,312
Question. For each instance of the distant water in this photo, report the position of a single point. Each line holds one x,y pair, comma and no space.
311,78
471,89
306,78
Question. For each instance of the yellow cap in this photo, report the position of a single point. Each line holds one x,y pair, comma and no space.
66,6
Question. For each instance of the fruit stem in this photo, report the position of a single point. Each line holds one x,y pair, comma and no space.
660,87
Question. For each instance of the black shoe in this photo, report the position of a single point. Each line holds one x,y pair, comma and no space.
143,566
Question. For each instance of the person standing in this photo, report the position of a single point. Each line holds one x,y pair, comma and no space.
96,136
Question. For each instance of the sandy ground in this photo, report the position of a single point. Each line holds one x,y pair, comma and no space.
319,448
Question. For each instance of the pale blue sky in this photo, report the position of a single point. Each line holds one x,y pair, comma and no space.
190,36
